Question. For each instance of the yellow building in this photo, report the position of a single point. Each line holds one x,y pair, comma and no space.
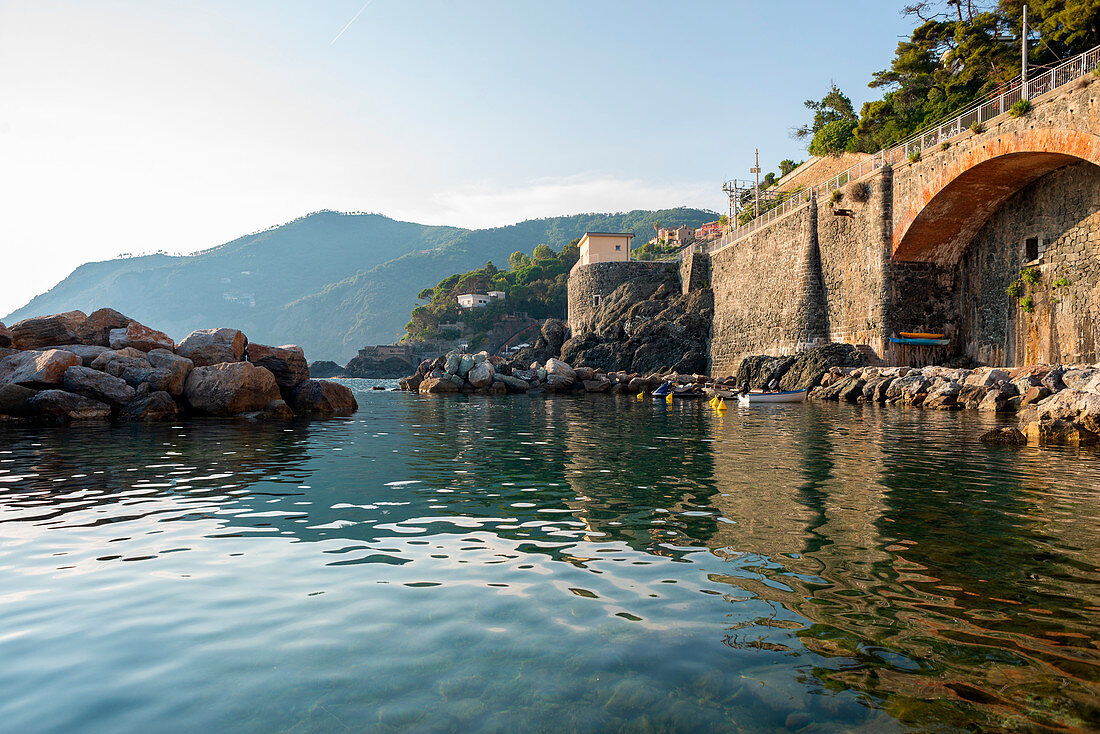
604,247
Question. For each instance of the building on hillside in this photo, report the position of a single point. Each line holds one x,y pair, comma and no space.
604,247
477,300
708,231
684,235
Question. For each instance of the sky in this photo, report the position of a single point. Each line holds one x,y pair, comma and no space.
131,126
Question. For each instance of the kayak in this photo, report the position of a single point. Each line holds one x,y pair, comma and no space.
786,396
921,342
918,335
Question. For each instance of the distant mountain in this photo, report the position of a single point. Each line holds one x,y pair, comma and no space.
328,281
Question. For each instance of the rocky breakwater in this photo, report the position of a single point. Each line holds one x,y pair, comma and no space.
106,366
481,374
1054,404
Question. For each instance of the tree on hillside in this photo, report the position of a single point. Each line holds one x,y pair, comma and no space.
543,252
1065,27
517,260
786,166
833,124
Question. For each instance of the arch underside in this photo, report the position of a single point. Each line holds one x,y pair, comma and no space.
944,227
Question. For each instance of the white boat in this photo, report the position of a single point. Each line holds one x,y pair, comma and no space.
787,396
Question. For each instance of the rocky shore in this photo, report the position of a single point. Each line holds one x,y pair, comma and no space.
1055,404
106,366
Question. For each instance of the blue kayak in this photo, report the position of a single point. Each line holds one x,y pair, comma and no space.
921,342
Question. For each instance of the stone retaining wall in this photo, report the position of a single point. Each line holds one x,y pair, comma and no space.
595,281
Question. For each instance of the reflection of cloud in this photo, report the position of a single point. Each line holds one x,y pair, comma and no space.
490,205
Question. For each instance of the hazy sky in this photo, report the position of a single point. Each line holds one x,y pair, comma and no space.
137,125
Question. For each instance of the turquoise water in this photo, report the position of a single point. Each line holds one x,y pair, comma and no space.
548,564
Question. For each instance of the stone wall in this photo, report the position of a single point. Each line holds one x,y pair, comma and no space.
694,272
1062,210
593,282
767,293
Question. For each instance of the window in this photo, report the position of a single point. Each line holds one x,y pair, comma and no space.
596,300
618,247
1031,249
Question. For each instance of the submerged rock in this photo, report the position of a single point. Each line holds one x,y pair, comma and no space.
62,405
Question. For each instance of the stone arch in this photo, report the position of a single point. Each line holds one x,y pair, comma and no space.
947,211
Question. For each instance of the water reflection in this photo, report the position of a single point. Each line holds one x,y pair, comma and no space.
589,563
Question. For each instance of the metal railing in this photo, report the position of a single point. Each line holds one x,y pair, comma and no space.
992,105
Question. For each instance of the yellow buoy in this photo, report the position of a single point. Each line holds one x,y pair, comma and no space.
669,399
721,405
641,395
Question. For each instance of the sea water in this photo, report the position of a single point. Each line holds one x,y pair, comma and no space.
533,563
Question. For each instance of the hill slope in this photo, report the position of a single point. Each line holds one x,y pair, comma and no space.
330,282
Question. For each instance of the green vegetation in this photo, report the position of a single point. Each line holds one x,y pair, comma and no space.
1031,276
534,284
914,156
1027,304
1015,289
977,127
958,52
1020,108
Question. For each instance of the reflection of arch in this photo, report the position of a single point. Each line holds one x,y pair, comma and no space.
944,216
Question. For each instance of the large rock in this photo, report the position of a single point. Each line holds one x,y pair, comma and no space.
176,368
481,375
287,363
5,336
436,385
322,397
155,406
140,337
97,385
986,377
807,368
96,329
230,388
48,331
115,362
410,383
944,396
207,347
87,352
36,368
511,383
63,406
561,370
15,399
1080,407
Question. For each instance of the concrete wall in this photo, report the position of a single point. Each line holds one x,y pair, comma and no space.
694,272
599,279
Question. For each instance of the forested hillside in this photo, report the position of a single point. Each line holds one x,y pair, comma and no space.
330,282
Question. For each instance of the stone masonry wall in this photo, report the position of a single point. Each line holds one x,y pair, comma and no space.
587,283
767,293
1062,210
694,272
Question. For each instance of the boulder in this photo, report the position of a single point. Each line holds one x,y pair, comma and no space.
1053,380
561,370
410,383
140,337
525,375
1008,436
882,388
325,368
971,396
910,389
997,401
176,367
511,383
597,385
465,364
276,410
807,368
87,352
153,406
36,368
96,329
15,399
322,397
206,347
986,377
1036,395
62,405
944,396
48,331
1058,431
5,336
1078,378
453,362
287,363
115,362
853,390
436,385
1080,407
155,379
422,369
482,375
97,385
230,388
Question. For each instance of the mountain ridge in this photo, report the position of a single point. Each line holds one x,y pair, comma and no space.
329,281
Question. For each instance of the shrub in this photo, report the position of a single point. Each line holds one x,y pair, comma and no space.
1020,109
1062,282
914,156
1027,304
1031,276
836,197
833,138
1096,71
1014,289
977,127
945,146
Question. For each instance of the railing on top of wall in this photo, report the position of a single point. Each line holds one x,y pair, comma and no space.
985,109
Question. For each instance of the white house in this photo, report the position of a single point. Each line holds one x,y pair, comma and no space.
473,300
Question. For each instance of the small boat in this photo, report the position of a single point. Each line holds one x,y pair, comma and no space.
920,341
919,335
667,389
786,396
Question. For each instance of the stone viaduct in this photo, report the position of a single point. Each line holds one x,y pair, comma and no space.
929,244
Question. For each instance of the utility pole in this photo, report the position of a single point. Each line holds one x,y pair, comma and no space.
756,170
1023,56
